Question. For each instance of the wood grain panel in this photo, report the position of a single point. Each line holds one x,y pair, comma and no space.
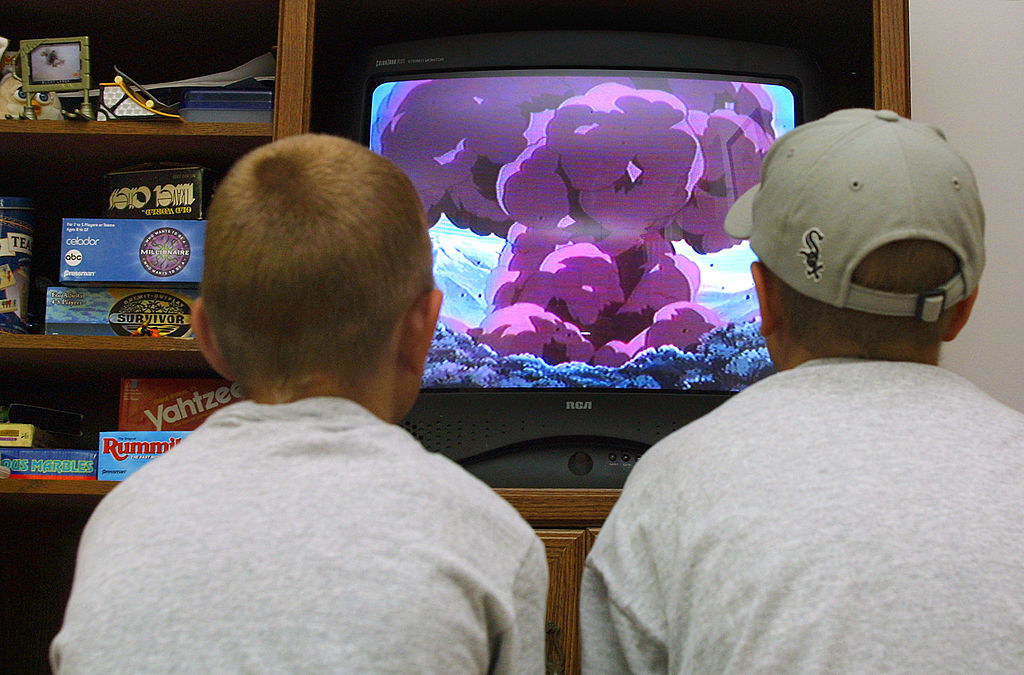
293,91
567,551
560,507
892,55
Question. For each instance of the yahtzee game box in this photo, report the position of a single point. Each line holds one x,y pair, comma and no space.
172,404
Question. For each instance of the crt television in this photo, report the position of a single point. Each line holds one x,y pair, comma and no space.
576,184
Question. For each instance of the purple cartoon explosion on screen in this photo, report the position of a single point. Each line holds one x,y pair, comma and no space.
574,217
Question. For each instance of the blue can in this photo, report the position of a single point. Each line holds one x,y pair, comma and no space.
16,220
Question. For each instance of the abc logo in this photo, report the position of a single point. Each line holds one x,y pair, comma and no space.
73,257
82,241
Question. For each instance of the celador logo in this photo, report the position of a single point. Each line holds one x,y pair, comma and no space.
164,252
151,313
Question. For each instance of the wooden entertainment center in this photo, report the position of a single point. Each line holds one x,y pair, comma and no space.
861,46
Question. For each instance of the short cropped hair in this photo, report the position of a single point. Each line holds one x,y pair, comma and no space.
907,266
315,246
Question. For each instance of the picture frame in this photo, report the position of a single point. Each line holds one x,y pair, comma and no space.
56,65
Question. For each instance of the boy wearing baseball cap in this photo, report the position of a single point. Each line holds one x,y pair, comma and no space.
858,510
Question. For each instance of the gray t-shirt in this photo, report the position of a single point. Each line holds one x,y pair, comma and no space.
843,516
303,538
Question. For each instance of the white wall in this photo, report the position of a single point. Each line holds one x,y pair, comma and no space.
967,77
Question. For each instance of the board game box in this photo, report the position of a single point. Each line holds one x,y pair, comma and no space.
140,312
157,192
131,251
122,453
55,464
172,404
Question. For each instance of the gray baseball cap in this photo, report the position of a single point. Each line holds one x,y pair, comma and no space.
835,189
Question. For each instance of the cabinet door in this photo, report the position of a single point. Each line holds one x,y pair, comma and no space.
567,551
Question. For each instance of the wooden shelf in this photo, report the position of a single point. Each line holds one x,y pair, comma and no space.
39,486
85,151
155,129
156,40
550,508
60,166
49,356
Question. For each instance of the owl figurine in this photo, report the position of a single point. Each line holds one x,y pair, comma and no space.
13,101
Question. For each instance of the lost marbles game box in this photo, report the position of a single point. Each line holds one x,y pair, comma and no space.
54,464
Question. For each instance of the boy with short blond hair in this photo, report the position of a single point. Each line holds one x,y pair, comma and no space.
316,247
302,530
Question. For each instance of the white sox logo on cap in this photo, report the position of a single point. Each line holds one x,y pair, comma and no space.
812,253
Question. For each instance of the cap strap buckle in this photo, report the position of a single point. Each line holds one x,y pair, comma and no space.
930,305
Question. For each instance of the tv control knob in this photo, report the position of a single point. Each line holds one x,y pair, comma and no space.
580,463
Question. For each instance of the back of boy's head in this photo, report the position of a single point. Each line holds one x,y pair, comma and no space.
315,247
906,266
874,227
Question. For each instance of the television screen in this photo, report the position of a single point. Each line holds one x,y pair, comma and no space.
577,222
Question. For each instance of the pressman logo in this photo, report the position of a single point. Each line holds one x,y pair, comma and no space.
579,405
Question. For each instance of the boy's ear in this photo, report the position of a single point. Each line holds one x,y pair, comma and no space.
767,298
207,340
411,342
961,312
419,324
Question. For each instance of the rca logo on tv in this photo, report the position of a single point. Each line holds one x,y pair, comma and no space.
579,405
